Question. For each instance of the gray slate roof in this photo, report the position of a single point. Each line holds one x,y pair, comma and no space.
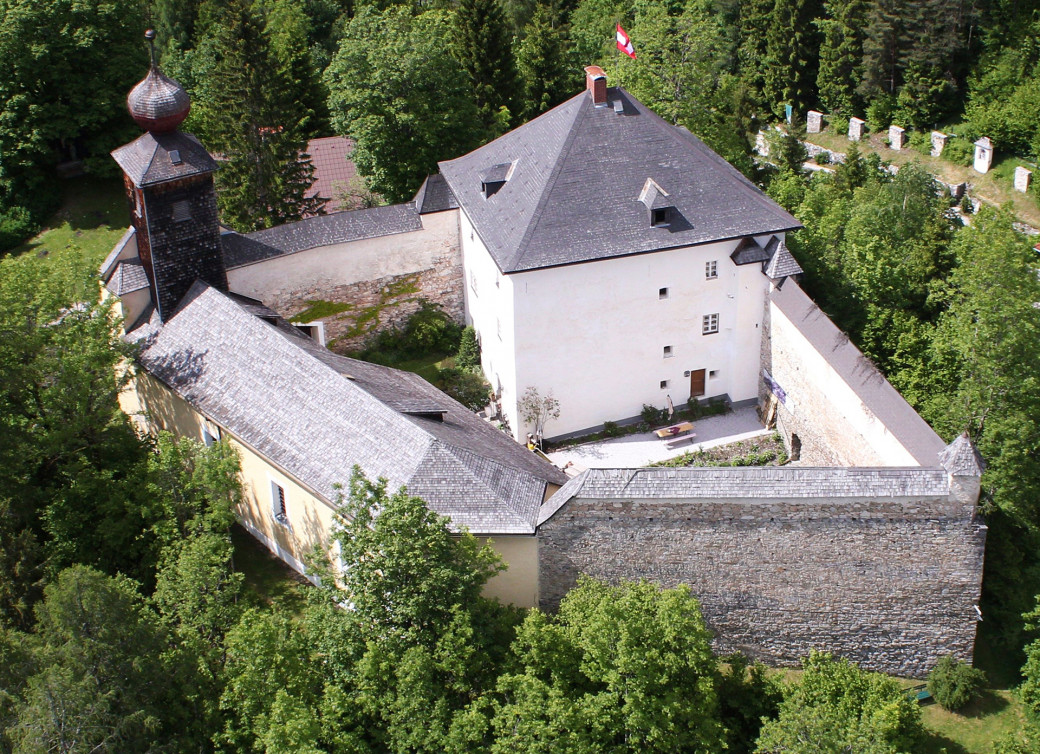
788,483
962,458
574,193
128,276
870,386
113,256
748,251
315,414
435,196
322,230
148,160
782,263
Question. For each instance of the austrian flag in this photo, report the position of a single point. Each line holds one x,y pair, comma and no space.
624,43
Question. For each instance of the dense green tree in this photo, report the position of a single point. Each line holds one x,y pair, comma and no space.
481,42
841,54
626,668
398,92
835,707
791,55
543,60
65,70
249,113
755,21
593,34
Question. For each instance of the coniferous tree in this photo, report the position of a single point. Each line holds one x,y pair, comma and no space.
543,61
792,46
841,55
251,115
755,20
482,46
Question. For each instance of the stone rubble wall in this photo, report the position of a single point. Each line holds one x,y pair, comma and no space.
888,583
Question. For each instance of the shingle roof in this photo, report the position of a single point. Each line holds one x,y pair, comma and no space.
435,196
127,277
333,168
782,263
573,195
870,386
789,484
748,251
159,157
113,256
961,458
323,230
315,414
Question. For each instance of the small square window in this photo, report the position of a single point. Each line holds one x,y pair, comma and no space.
181,211
713,373
662,293
659,217
278,509
711,270
710,324
667,351
664,384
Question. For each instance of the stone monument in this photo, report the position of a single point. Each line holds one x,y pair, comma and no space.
813,122
896,137
938,143
856,129
983,155
1023,177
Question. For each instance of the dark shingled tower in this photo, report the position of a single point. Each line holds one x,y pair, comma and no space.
169,184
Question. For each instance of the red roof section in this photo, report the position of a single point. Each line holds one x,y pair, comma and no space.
333,169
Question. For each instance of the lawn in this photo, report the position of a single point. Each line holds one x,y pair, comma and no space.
93,217
974,729
268,581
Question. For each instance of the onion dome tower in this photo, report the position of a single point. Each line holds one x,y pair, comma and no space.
169,184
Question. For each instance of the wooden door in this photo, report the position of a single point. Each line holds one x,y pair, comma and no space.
697,383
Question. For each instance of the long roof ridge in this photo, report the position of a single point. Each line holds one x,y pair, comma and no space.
554,176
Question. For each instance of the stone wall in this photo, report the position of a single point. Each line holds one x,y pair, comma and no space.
890,583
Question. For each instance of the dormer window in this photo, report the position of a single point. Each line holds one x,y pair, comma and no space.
495,177
658,202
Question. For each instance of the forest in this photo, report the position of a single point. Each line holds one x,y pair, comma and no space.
124,624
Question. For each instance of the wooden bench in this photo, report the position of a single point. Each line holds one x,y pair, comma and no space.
685,439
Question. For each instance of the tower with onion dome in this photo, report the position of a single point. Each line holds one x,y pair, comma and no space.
169,184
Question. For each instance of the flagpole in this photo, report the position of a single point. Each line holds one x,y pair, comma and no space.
617,53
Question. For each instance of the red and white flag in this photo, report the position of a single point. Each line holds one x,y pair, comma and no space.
624,43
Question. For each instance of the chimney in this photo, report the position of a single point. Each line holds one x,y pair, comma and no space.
596,83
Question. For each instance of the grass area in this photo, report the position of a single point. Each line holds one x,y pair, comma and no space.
93,216
428,367
268,581
974,729
759,451
995,187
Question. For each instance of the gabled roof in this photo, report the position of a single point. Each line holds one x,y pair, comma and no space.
321,230
748,251
159,157
434,196
333,169
573,195
315,414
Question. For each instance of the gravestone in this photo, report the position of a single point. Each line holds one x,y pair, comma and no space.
938,143
983,155
856,129
813,122
896,137
1023,177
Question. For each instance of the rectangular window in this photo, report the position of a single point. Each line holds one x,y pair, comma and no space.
667,352
664,384
181,211
710,324
713,374
711,270
210,434
662,293
278,509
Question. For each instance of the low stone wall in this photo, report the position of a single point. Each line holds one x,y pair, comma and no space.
888,583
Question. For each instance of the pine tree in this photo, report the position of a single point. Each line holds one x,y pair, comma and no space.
251,116
755,18
482,47
841,55
542,59
792,43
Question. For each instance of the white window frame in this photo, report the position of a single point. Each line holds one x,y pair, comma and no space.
318,334
710,324
210,433
711,270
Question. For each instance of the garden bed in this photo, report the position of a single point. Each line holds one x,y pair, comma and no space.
759,451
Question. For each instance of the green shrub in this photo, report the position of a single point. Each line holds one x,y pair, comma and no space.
954,683
16,226
468,388
879,113
430,330
823,158
611,429
838,124
651,415
959,151
967,207
468,355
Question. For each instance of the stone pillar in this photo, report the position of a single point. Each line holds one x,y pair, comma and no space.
813,122
957,190
938,143
856,129
983,155
1023,177
896,137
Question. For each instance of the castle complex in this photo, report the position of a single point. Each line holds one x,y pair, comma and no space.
605,256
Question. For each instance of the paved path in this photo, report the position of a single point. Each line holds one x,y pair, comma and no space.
632,451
